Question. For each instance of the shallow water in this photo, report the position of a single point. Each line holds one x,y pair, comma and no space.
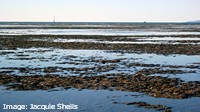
169,38
89,32
138,40
89,62
91,100
97,41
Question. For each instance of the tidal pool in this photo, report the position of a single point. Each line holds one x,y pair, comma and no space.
91,62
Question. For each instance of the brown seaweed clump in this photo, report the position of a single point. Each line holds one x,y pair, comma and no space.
148,106
155,86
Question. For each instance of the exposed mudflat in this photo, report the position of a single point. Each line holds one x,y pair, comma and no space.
159,65
14,42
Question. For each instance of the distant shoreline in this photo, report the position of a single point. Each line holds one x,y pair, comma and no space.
89,23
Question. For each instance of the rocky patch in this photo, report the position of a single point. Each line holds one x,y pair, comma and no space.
155,86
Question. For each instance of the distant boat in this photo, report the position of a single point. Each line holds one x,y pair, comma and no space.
145,22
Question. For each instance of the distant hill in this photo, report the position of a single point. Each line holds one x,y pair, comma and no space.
197,21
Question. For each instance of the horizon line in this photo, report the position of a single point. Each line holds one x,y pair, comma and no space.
100,21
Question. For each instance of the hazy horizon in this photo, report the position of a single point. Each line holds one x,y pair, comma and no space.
99,11
175,22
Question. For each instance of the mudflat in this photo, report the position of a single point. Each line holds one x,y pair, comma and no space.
165,64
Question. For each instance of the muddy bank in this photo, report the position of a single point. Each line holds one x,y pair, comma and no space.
155,86
21,42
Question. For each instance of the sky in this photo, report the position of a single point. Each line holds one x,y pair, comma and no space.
100,10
